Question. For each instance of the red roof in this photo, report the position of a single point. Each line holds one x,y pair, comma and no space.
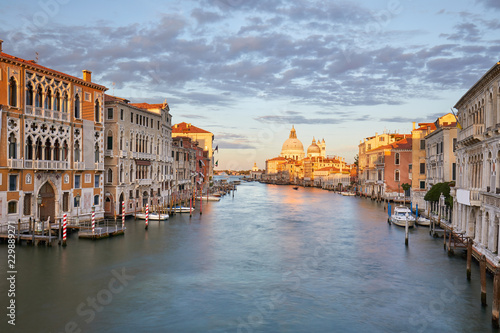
279,158
426,126
187,128
147,106
32,63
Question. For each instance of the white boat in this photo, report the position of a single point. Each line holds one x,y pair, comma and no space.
348,193
152,216
423,221
400,215
209,198
181,209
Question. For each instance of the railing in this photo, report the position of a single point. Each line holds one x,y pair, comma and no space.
144,181
15,163
474,195
79,165
46,165
123,153
99,166
46,113
108,153
471,131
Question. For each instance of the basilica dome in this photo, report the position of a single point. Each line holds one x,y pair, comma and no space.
292,148
314,149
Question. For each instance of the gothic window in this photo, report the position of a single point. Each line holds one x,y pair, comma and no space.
12,146
109,145
12,92
38,149
29,148
121,173
47,150
131,174
65,151
58,101
396,176
48,100
57,153
65,103
96,153
97,111
77,106
396,159
29,94
38,97
110,176
77,151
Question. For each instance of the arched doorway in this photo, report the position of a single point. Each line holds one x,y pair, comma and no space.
108,206
145,198
121,200
48,206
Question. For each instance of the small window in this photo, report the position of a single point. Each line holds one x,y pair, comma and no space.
65,205
422,144
454,144
12,207
77,181
396,175
422,184
381,138
76,203
12,92
454,171
96,180
369,146
109,145
132,117
12,182
96,200
396,159
121,114
422,168
110,113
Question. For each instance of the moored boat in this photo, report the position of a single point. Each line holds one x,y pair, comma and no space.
209,198
348,193
181,209
423,221
152,216
401,215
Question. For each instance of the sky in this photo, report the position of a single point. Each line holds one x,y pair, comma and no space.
247,70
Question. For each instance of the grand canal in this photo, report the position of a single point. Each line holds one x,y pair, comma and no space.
269,259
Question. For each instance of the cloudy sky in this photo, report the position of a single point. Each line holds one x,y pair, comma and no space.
247,70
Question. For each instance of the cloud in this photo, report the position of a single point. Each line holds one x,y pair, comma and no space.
489,4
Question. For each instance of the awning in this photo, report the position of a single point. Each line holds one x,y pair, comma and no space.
142,162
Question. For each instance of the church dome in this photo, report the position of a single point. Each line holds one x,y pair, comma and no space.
292,147
314,149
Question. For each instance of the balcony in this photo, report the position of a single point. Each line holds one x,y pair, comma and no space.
471,135
79,165
13,163
46,165
99,166
468,197
46,113
123,154
144,182
108,153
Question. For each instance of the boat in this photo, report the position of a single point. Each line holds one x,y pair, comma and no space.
295,187
152,216
182,209
348,193
423,221
209,198
400,215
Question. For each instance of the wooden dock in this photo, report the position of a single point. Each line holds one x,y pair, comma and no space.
103,229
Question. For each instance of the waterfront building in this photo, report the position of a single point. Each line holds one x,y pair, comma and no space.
292,148
370,162
256,173
204,138
476,207
52,142
185,166
419,170
138,161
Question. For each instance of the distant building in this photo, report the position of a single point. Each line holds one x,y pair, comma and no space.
256,174
52,142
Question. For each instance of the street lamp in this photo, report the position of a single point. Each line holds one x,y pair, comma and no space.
77,201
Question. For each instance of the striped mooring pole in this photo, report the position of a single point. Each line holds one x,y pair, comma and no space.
65,216
147,215
93,221
123,215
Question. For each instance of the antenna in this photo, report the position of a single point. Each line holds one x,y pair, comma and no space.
36,57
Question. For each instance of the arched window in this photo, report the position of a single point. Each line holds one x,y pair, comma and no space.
57,154
110,176
12,146
396,176
38,149
48,100
38,97
58,101
12,92
109,144
29,94
48,150
77,106
65,103
65,151
29,148
96,153
121,173
131,173
396,159
77,151
131,142
97,111
121,140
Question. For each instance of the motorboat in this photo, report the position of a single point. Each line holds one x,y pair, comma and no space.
182,209
423,221
348,193
209,198
152,216
295,187
401,215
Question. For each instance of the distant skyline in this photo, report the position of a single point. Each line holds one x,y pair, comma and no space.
247,70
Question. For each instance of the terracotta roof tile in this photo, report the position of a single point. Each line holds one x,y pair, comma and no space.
187,128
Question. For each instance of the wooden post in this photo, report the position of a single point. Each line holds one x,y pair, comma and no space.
190,207
65,221
450,250
43,229
406,231
33,232
59,233
50,234
482,271
29,231
496,299
444,238
18,230
469,257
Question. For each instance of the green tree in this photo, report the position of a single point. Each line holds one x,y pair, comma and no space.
440,188
405,187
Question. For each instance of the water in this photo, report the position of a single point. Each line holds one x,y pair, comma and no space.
271,259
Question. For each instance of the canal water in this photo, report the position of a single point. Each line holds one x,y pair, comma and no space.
269,259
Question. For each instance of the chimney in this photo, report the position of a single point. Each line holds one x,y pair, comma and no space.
1,41
414,125
87,75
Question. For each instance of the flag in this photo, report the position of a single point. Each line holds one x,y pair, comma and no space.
456,118
217,163
201,163
216,148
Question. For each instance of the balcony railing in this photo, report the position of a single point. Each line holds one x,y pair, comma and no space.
46,165
144,181
46,113
15,163
99,166
471,134
79,165
108,153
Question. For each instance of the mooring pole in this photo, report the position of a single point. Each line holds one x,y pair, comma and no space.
469,257
496,299
406,230
482,270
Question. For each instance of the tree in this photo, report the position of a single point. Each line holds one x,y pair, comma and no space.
440,188
405,187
